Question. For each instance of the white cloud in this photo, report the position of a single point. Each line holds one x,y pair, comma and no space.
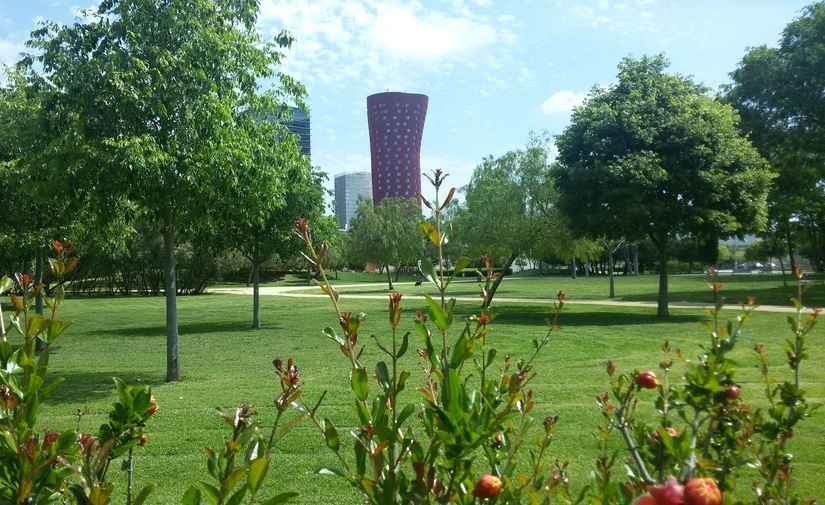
374,43
562,102
10,51
402,32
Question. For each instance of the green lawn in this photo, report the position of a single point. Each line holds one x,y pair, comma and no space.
224,362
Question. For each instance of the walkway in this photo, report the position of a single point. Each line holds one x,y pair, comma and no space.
314,291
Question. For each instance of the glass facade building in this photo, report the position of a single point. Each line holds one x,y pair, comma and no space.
396,125
349,187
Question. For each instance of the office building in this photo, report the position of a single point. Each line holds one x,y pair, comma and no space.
349,187
396,125
299,126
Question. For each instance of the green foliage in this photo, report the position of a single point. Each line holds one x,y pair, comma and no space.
516,185
652,157
704,428
386,234
163,114
462,424
773,91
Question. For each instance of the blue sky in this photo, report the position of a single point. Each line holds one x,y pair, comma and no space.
494,70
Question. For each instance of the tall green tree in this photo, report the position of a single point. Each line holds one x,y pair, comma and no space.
509,209
280,187
654,156
387,234
158,97
780,94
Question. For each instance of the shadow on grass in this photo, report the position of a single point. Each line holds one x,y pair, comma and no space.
95,386
199,328
530,315
736,295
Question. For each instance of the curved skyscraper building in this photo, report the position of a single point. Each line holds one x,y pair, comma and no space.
396,124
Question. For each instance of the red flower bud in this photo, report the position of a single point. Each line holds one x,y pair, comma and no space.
488,486
702,491
670,493
647,380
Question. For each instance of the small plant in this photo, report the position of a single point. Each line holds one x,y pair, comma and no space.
241,467
30,469
39,469
705,435
457,444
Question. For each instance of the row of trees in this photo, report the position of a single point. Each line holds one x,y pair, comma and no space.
148,111
656,158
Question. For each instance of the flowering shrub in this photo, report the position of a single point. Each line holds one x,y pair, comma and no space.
705,436
465,445
472,433
37,469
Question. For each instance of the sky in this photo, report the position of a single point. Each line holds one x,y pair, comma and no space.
494,70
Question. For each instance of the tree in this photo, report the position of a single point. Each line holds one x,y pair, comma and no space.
779,94
509,209
654,156
387,234
276,191
158,96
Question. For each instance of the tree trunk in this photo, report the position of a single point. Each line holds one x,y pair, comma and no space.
661,244
38,302
573,268
610,271
389,277
172,355
492,292
790,246
256,296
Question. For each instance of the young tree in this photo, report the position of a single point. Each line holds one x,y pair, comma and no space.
509,209
275,191
388,233
155,93
654,156
779,94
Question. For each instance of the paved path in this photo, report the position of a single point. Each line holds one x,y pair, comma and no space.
315,292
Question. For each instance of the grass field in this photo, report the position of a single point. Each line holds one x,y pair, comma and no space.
225,362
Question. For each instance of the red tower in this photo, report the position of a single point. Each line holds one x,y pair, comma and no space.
396,123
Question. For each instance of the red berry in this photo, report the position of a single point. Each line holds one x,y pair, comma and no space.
670,493
489,486
142,439
645,499
702,491
647,380
732,392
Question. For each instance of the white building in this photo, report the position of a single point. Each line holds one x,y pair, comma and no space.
349,187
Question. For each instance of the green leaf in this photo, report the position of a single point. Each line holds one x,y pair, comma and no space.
428,271
438,316
331,471
209,492
460,265
257,474
35,325
431,232
405,340
460,350
331,437
6,283
383,375
144,494
124,397
191,497
358,383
